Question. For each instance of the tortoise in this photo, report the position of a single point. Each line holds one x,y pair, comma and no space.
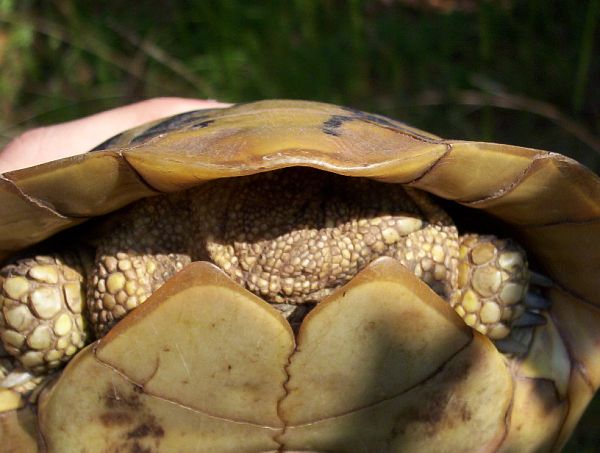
289,276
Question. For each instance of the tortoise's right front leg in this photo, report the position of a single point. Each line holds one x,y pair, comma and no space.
43,299
43,303
123,278
144,247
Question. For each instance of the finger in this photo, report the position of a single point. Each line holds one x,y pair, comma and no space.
75,137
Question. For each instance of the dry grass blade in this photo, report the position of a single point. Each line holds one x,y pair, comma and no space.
514,102
87,43
158,54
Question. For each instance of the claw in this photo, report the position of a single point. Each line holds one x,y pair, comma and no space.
537,301
537,279
511,347
529,319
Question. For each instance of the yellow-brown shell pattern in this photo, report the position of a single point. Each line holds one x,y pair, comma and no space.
551,202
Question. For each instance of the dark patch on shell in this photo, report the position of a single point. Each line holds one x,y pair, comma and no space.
149,428
115,418
201,124
331,125
114,400
137,448
381,120
139,431
432,411
170,124
107,143
390,123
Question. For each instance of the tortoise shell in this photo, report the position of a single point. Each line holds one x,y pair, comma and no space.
386,384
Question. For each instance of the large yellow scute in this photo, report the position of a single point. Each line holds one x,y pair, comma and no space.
383,334
385,365
206,338
198,367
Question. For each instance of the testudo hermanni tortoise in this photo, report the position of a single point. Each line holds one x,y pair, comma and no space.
297,272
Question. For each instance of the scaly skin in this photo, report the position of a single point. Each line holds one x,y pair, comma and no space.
291,237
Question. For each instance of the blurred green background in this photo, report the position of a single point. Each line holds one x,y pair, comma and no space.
519,72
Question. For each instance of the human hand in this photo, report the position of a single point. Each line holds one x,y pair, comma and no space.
53,142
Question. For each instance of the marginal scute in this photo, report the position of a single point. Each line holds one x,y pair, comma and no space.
24,222
572,256
75,193
549,180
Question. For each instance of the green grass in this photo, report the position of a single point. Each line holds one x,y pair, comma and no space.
524,74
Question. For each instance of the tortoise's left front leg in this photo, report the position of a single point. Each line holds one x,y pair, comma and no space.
492,293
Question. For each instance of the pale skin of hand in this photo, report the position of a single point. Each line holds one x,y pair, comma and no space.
53,142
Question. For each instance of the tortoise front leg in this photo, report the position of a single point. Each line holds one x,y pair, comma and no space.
492,293
141,248
42,322
43,305
123,278
42,299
